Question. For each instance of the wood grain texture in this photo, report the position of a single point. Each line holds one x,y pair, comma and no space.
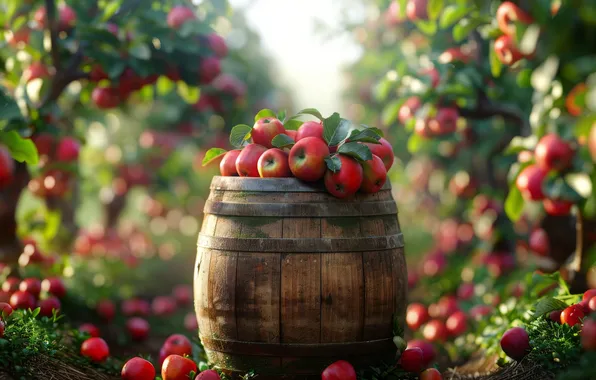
284,269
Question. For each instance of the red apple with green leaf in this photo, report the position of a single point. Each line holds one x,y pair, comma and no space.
508,14
553,153
384,151
347,180
265,130
247,160
227,166
506,50
307,159
374,175
274,163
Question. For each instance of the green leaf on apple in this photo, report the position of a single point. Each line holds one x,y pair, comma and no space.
264,113
281,115
514,204
330,126
452,14
495,64
22,150
377,130
366,135
240,134
293,124
356,150
547,305
311,111
333,163
282,141
434,8
140,51
557,188
213,154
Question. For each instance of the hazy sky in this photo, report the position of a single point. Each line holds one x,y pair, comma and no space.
309,65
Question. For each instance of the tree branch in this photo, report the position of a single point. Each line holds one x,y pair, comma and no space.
53,29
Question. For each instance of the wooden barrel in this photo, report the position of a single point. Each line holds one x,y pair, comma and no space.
289,279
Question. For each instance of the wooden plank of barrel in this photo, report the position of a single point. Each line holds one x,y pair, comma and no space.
290,279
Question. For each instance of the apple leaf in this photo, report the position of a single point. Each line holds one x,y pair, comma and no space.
213,154
547,305
140,51
557,188
281,115
452,14
366,135
190,94
495,65
264,113
341,132
434,8
514,204
311,111
359,151
391,111
519,144
427,27
239,134
293,124
22,150
330,126
463,28
282,141
377,130
333,163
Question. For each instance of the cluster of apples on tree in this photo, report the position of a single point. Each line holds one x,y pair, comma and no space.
348,158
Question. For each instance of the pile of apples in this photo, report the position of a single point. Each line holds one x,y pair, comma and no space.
359,161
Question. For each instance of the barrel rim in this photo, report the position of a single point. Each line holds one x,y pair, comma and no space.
289,184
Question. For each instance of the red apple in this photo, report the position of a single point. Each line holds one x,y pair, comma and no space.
347,180
307,159
506,50
433,73
575,100
374,175
553,153
274,163
54,286
227,166
416,316
247,160
422,128
47,306
179,15
529,182
454,54
557,207
539,243
516,343
6,167
293,134
384,151
36,70
445,121
310,129
97,74
209,69
19,36
105,97
67,18
68,150
265,130
217,44
417,10
508,14
22,300
408,109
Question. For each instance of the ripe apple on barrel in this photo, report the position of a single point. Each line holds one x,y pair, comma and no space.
345,158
